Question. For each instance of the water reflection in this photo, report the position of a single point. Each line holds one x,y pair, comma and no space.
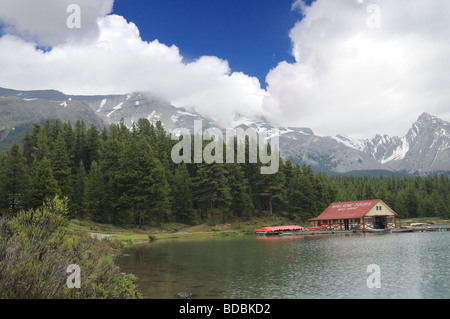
413,265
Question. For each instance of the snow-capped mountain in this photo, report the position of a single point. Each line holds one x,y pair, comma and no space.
132,107
324,154
20,109
382,148
424,149
100,110
429,146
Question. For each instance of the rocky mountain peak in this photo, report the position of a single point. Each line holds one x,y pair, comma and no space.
427,120
425,149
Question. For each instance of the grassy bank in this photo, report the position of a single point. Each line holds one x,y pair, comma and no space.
170,231
130,236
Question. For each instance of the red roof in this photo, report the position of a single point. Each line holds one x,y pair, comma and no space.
347,210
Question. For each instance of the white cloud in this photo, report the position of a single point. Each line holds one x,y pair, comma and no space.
352,79
347,78
45,22
118,61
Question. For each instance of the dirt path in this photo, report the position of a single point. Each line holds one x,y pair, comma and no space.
183,231
100,236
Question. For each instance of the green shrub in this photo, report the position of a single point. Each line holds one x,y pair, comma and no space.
36,250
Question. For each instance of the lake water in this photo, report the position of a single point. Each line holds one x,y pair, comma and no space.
411,266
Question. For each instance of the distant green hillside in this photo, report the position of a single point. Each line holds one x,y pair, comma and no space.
17,114
8,135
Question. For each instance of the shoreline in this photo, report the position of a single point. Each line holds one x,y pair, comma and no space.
133,236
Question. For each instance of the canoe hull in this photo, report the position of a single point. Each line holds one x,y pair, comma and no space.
277,230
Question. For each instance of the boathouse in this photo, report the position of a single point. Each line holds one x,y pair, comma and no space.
360,215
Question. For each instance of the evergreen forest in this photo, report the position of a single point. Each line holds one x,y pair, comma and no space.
125,176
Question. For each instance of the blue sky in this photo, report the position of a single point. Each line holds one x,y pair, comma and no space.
253,35
353,67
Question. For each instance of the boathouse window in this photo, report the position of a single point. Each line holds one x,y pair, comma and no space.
379,207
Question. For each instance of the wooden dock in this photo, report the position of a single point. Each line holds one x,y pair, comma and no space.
431,228
307,232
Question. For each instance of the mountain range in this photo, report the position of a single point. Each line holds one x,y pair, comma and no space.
424,150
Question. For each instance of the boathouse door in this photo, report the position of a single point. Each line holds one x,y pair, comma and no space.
380,222
346,224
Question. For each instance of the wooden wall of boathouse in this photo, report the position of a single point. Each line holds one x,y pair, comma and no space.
365,223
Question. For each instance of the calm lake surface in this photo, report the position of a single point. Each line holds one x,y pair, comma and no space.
411,266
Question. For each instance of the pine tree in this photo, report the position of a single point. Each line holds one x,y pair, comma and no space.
411,202
112,148
441,209
42,145
15,183
300,195
44,185
80,143
212,188
368,192
92,146
134,199
95,194
272,190
143,127
76,193
426,207
211,185
160,208
145,192
163,147
241,202
60,162
54,130
29,147
288,171
69,139
182,205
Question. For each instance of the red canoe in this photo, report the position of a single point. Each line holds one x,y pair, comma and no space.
273,229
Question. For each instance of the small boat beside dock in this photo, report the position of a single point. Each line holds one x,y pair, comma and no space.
429,228
437,228
406,229
378,231
401,230
318,228
293,230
